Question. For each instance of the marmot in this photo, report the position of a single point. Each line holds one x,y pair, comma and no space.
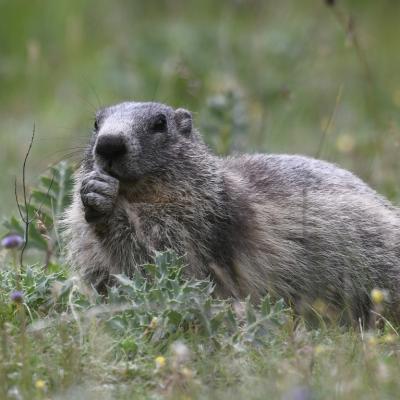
292,226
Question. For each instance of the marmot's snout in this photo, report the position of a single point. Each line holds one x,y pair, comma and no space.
110,147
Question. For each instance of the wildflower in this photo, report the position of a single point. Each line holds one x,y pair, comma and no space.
181,352
372,341
160,362
17,296
377,296
153,323
319,349
345,143
14,393
383,372
12,241
40,384
298,393
389,338
187,373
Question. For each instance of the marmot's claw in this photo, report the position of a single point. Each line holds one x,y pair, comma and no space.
98,194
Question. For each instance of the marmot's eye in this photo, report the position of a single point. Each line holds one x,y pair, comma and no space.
159,124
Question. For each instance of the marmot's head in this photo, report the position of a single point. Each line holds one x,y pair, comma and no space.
134,140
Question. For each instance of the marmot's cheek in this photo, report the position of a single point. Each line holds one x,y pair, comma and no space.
125,171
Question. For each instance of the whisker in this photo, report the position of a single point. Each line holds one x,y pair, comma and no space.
61,138
69,158
75,148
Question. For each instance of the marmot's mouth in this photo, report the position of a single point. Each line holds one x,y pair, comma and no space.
125,180
113,174
109,169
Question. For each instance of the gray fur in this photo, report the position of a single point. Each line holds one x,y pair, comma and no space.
295,227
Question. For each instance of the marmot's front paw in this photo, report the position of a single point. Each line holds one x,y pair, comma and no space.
98,193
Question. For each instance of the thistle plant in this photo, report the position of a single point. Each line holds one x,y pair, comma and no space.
13,242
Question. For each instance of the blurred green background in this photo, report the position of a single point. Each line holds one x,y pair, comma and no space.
268,76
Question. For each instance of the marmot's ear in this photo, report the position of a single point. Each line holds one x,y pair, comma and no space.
183,119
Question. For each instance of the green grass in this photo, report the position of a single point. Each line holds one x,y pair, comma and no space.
162,337
259,77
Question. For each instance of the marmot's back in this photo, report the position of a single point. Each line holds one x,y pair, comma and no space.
289,175
335,238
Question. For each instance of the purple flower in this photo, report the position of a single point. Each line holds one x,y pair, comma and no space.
12,241
298,393
17,296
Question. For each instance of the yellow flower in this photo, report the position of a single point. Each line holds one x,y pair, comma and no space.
187,373
153,323
345,143
319,349
160,362
377,296
390,338
40,384
372,341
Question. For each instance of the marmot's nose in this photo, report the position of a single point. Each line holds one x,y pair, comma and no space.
110,146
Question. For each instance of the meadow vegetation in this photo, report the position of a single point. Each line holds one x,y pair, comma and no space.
312,77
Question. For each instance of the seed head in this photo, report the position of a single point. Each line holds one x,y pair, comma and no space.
12,241
181,352
41,227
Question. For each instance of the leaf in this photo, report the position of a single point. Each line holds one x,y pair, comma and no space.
174,317
36,239
231,319
13,225
50,185
47,201
63,176
123,280
265,307
34,212
117,324
129,345
43,198
251,316
162,262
